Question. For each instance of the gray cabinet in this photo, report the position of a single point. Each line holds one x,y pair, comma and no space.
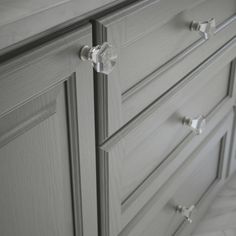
156,50
153,166
193,185
136,163
47,142
21,19
165,73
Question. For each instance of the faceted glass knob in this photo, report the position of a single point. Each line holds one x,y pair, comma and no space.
186,212
197,124
103,57
205,28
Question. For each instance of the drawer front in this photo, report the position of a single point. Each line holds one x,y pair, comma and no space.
194,184
137,161
157,145
153,42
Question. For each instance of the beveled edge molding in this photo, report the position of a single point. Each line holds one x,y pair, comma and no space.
21,128
232,78
101,88
159,194
41,51
27,122
72,117
161,70
103,193
224,104
231,94
219,179
161,167
101,113
174,60
232,146
168,159
136,121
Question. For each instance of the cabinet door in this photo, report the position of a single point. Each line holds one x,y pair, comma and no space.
47,150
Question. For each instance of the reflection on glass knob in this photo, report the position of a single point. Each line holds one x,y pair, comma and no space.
197,124
103,57
186,212
205,28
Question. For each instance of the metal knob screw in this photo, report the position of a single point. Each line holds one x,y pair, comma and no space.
205,28
103,57
197,124
186,212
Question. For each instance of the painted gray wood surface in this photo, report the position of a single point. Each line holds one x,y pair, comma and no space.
220,217
232,162
21,19
35,180
195,182
138,160
154,39
47,142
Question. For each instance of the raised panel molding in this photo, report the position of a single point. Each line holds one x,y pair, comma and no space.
47,129
115,211
126,94
27,116
72,116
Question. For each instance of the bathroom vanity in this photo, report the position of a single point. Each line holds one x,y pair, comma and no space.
116,118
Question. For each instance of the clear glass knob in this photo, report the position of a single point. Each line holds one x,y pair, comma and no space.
197,124
103,57
205,28
186,212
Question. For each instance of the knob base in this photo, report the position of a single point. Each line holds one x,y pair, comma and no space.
84,53
186,212
103,57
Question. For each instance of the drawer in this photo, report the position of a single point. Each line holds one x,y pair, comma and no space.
156,49
138,160
192,187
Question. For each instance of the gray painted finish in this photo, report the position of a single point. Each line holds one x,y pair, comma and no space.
161,48
47,142
193,183
232,162
169,134
22,19
122,164
220,217
35,180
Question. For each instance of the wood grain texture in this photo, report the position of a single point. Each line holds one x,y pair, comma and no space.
189,193
232,162
160,140
35,179
220,218
73,140
128,180
14,10
47,142
159,215
24,21
162,50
